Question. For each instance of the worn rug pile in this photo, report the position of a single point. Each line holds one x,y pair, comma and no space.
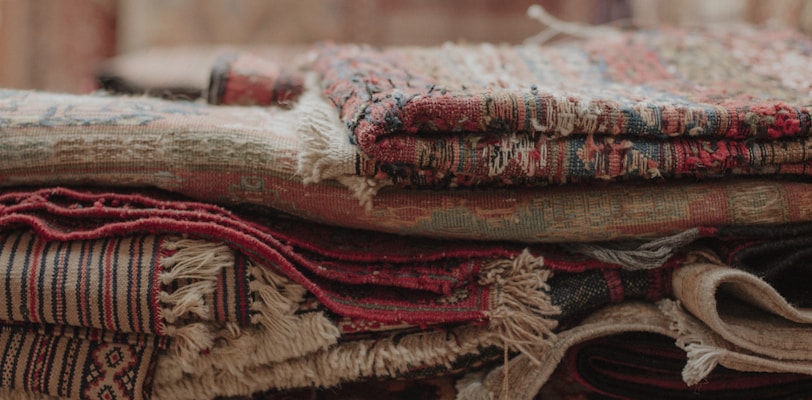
625,216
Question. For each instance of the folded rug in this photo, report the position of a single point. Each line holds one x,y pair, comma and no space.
634,365
368,349
219,294
80,262
781,263
76,363
62,214
744,310
640,104
523,378
109,306
233,155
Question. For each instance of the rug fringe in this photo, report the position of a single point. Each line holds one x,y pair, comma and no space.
278,301
325,151
195,265
648,255
379,358
702,357
189,340
520,304
188,300
194,259
251,347
236,348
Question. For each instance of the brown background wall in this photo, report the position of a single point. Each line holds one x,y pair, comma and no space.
56,44
418,22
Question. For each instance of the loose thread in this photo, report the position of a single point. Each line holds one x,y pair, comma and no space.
556,26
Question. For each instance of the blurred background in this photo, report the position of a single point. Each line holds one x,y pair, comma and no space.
58,45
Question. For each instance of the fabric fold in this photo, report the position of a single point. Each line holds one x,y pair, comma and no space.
648,365
250,155
523,378
638,200
744,310
465,115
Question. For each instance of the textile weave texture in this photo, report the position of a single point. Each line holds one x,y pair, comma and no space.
635,365
693,103
77,363
62,214
250,80
111,263
239,155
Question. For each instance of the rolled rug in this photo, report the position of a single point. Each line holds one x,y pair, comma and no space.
244,79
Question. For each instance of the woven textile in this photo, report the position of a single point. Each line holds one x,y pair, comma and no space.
251,80
369,349
635,365
220,288
644,104
523,378
231,155
745,311
77,363
114,283
79,283
71,215
775,253
87,317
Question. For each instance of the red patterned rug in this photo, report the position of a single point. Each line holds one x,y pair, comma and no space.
111,262
629,105
295,250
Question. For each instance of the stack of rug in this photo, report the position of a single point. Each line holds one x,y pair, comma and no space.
624,216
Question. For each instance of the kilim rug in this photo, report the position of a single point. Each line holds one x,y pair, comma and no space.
216,287
627,105
87,318
128,263
371,350
63,214
77,363
234,155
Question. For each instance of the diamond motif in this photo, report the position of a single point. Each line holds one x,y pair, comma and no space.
113,357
